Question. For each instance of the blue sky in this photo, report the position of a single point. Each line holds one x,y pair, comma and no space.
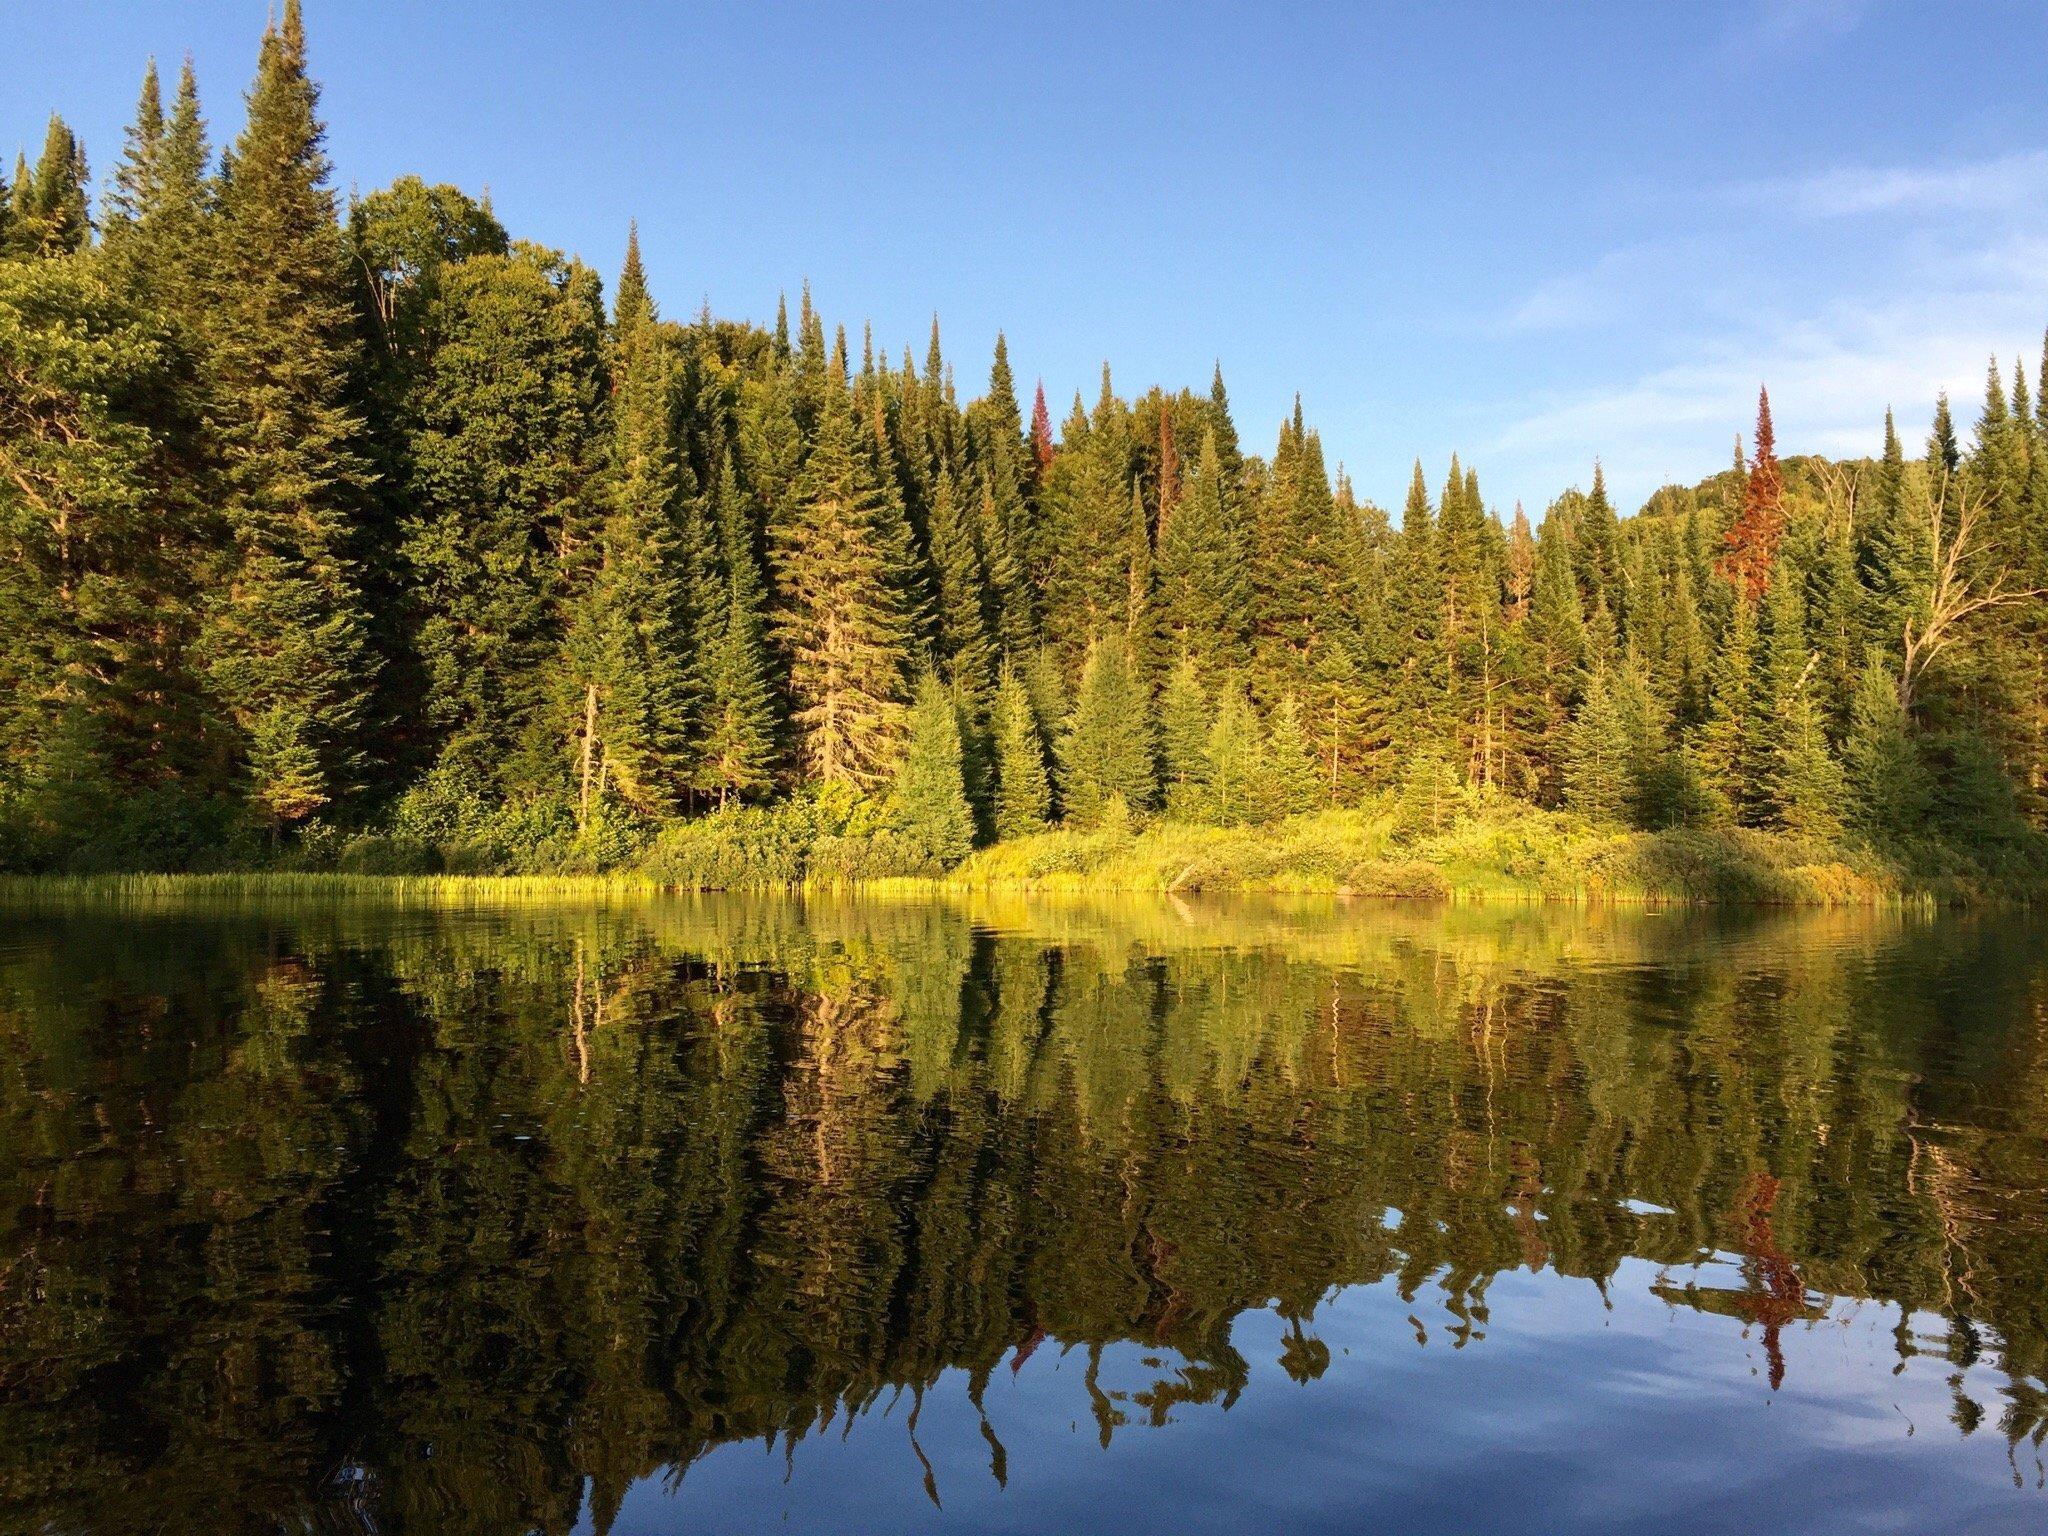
1530,233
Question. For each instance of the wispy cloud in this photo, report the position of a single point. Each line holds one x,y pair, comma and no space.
2016,181
1786,21
1607,290
1831,376
1837,321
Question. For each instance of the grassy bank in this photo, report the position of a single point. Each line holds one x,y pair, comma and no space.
1506,853
1498,852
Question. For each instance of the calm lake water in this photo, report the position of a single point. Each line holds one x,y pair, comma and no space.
339,1215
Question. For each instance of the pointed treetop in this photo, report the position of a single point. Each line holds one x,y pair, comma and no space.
1994,396
782,325
934,360
1415,515
1041,431
633,306
136,178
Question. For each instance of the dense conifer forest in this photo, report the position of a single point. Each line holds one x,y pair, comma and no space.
370,536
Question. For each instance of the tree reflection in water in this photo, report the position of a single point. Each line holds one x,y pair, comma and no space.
326,1214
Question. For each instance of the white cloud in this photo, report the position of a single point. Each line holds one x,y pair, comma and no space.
1831,377
2011,182
1839,324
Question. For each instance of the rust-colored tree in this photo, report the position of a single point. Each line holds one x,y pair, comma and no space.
1169,467
1750,547
1041,436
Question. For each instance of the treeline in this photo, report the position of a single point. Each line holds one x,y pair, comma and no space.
369,534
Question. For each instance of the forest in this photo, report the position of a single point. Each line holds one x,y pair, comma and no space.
360,534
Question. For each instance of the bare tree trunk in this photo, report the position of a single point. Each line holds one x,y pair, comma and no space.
589,745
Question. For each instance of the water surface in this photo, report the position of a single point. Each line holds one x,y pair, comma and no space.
745,1215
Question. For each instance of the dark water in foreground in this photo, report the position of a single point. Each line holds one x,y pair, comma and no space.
745,1216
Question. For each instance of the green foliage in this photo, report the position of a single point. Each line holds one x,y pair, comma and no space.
1885,783
1023,796
928,807
1106,753
372,541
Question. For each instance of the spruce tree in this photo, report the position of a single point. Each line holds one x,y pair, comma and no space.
285,632
51,216
1023,798
736,754
1184,720
1106,754
1286,781
1884,781
1232,759
928,807
1200,571
1750,546
840,620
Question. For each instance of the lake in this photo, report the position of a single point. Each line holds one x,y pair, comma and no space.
353,1213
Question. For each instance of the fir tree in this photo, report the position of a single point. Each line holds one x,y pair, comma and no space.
285,634
1200,571
1184,720
1751,543
840,620
1106,753
928,808
1232,757
737,752
1023,799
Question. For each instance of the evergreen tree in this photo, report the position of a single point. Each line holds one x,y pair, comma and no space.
963,625
50,215
840,618
1200,571
737,752
928,807
1286,781
1184,719
1023,798
137,177
285,633
1883,779
1106,753
1232,759
105,540
1598,781
1731,737
1751,543
1087,516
